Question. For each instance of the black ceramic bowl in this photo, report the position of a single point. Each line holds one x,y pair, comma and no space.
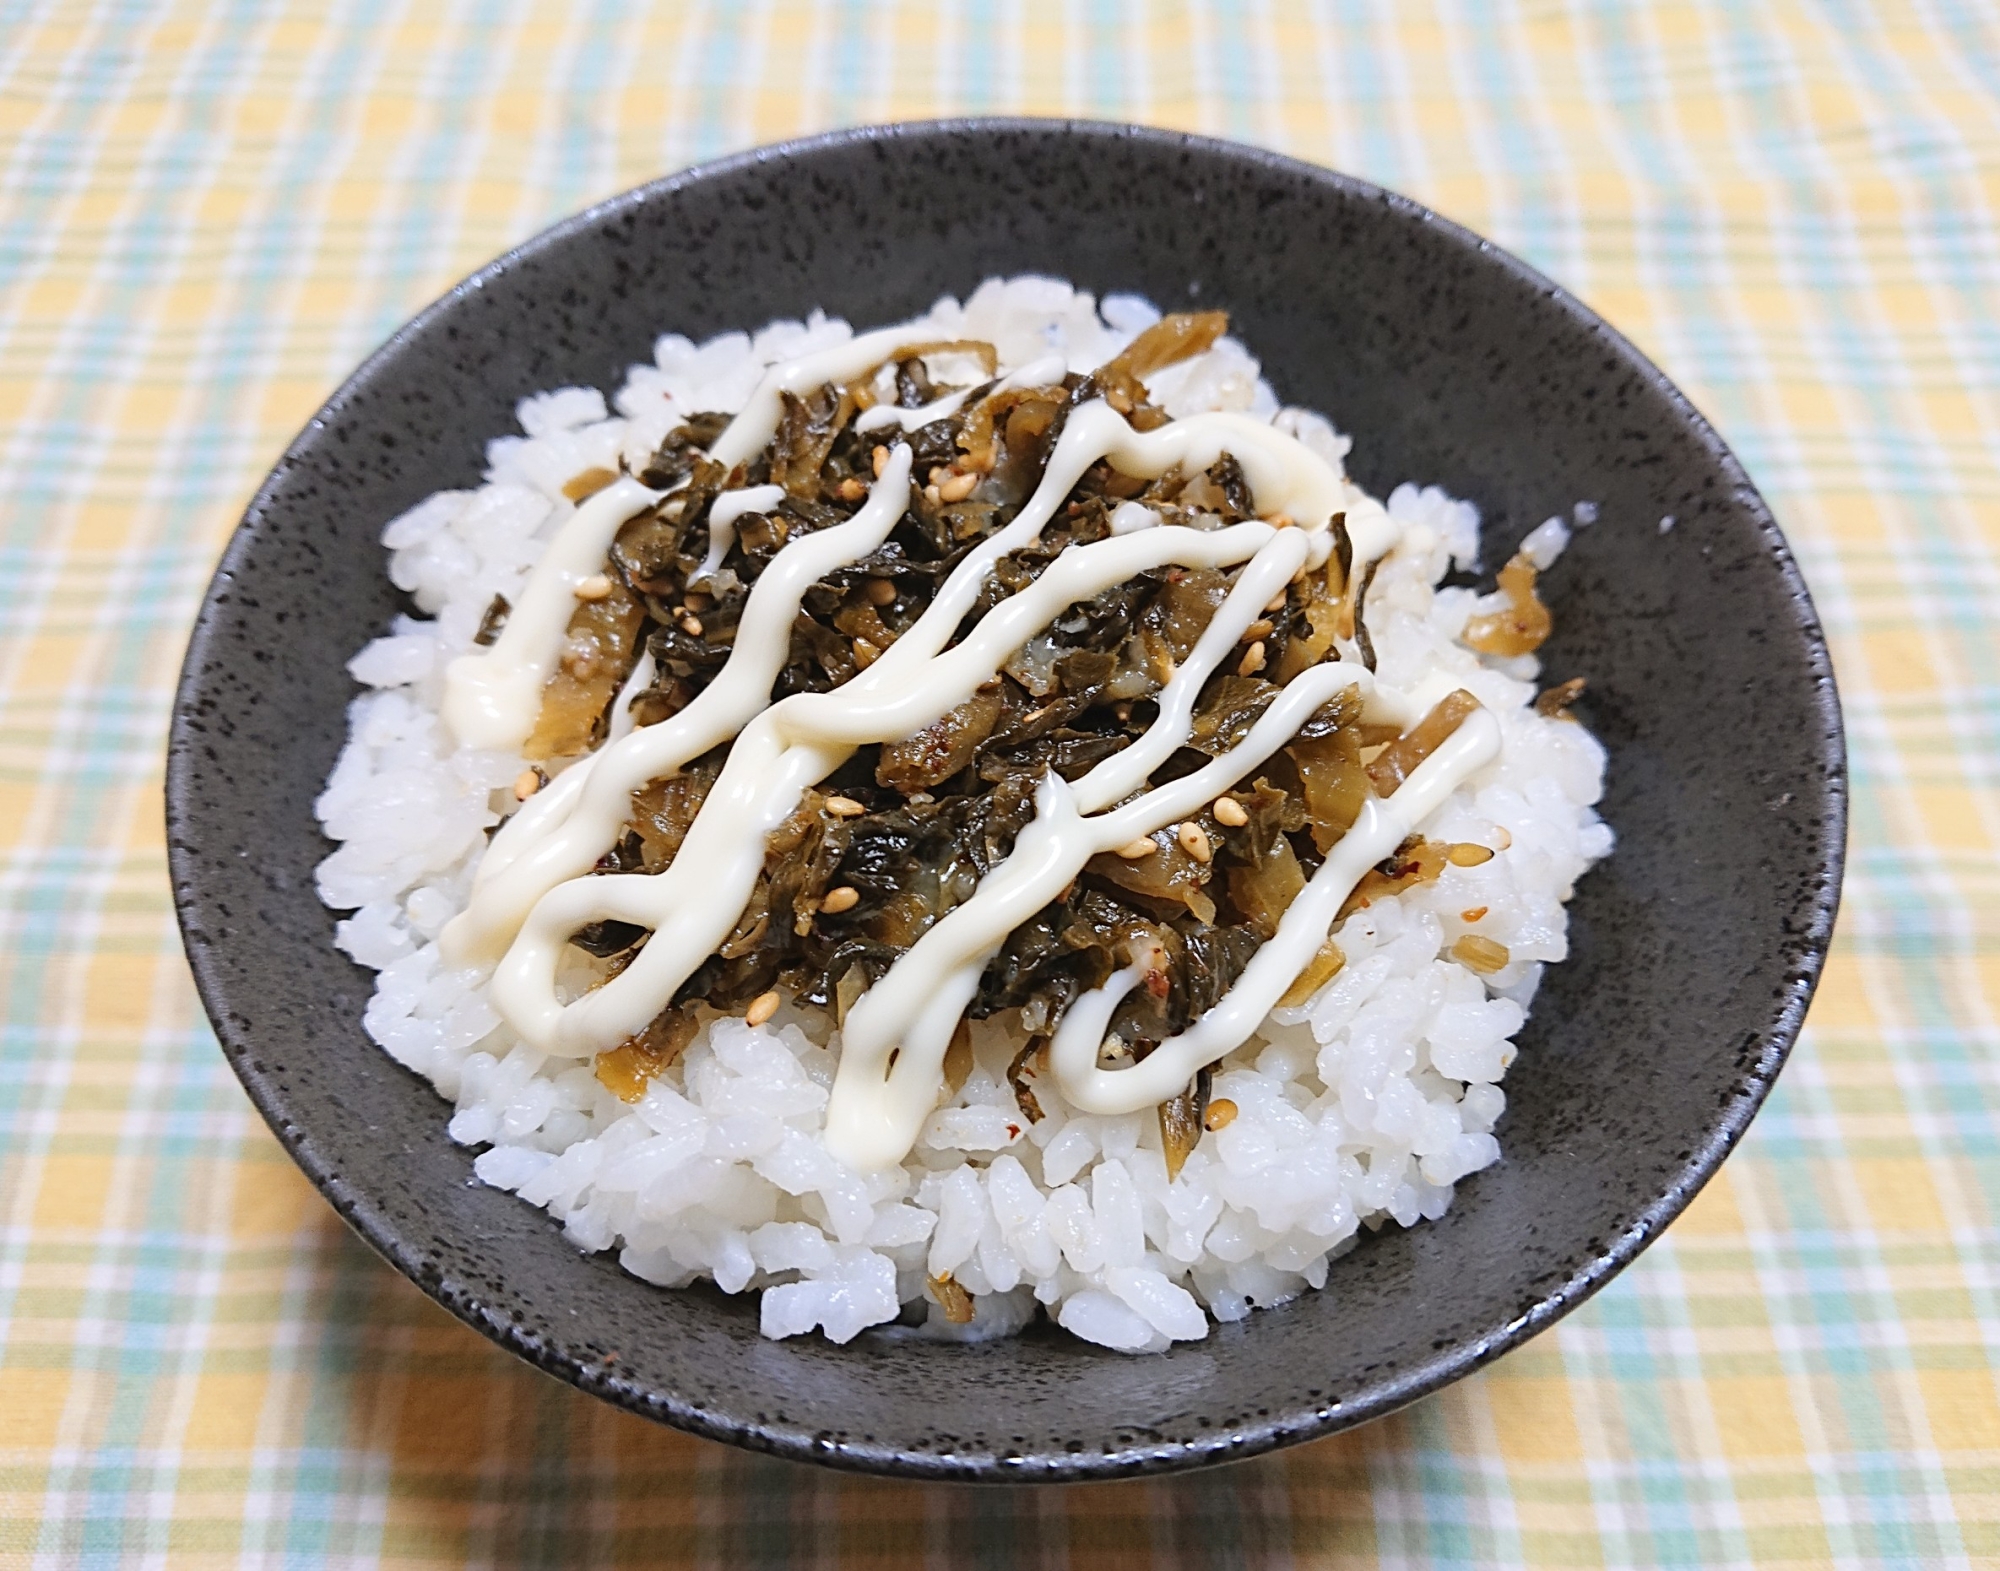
1694,948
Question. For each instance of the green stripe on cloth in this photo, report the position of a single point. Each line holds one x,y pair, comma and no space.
211,209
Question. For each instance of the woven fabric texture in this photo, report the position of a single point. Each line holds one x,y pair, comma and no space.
211,209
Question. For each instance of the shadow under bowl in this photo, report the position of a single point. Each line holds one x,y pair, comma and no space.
1694,948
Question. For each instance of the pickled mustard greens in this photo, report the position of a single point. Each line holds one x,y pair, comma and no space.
922,695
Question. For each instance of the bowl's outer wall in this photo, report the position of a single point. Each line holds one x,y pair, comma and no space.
1694,948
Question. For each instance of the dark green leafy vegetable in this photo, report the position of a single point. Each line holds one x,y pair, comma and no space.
940,809
676,456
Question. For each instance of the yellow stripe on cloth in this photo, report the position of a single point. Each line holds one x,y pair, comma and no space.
209,211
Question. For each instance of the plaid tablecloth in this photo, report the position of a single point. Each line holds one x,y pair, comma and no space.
210,210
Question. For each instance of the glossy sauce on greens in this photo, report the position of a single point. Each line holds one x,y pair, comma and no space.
540,886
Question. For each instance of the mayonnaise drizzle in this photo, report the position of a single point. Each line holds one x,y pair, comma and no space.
560,832
1045,372
877,1110
622,722
493,698
531,892
692,906
757,422
1380,828
882,416
722,515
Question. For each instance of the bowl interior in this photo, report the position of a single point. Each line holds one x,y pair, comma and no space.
1694,947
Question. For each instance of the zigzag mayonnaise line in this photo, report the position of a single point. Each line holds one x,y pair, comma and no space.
1045,372
692,906
912,1011
1381,827
491,699
877,1110
534,888
547,841
561,832
722,515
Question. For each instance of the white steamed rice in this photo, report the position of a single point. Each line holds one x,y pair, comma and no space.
1365,1106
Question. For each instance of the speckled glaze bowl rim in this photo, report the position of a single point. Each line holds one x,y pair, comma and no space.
1307,1421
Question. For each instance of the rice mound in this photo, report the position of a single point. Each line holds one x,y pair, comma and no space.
1363,1106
